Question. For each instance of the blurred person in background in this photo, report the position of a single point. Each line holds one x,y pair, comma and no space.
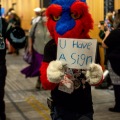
107,81
108,21
108,26
7,14
37,15
112,43
13,21
101,30
36,46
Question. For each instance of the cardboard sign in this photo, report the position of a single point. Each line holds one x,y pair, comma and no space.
77,53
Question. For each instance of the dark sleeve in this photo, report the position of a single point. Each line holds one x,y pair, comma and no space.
3,51
97,60
101,34
113,39
4,27
50,51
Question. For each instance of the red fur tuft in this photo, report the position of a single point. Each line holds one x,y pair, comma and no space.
54,10
80,8
45,83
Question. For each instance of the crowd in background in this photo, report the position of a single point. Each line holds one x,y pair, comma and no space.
110,35
104,26
13,20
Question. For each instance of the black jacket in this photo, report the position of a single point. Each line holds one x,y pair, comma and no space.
3,71
3,51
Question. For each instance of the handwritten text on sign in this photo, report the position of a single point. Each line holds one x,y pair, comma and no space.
77,53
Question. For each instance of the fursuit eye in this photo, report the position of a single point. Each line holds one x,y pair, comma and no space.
56,18
75,16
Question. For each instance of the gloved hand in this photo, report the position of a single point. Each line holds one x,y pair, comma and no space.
56,71
94,74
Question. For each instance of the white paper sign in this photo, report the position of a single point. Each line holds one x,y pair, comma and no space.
77,53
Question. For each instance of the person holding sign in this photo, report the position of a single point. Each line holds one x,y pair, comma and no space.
68,68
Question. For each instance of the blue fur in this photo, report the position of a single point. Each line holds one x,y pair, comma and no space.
66,22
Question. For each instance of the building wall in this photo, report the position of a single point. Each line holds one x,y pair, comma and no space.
117,4
96,8
97,11
24,8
